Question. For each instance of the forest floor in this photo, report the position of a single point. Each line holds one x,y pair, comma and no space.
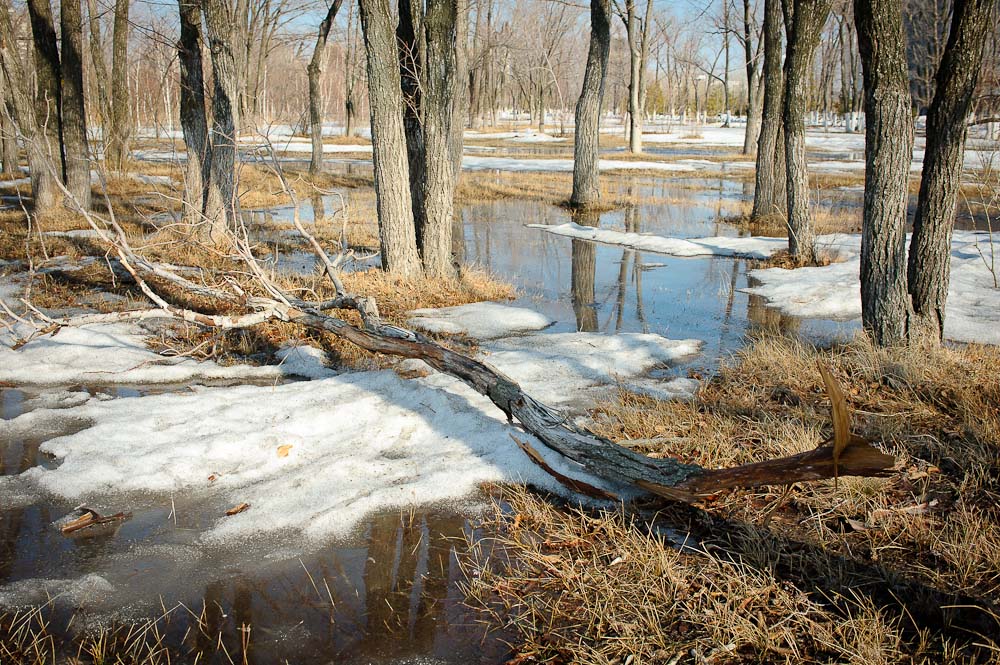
893,570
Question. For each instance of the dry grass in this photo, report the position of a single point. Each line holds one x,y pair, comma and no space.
905,546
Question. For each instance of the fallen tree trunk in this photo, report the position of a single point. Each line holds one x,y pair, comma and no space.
627,471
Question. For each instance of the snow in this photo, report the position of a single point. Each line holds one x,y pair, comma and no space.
305,361
482,163
567,369
746,247
73,592
358,443
111,354
834,291
482,320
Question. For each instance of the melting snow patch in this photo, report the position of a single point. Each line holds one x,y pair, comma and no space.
85,590
305,361
311,457
569,368
834,291
481,320
746,247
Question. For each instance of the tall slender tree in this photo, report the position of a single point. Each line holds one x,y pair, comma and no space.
45,182
194,121
769,189
947,124
74,118
888,153
397,236
804,20
120,130
314,72
586,182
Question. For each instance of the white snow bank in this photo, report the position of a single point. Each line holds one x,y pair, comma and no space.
305,361
108,354
310,457
746,247
569,368
834,291
482,163
482,320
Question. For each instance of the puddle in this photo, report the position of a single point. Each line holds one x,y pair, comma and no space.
388,593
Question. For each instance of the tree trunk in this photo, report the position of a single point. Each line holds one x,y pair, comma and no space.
100,71
930,248
194,122
806,24
43,170
754,106
439,163
635,67
8,131
769,190
461,99
888,152
397,237
44,182
120,130
411,75
314,72
349,73
221,203
586,183
74,119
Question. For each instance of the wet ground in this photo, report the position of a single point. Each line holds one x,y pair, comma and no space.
391,591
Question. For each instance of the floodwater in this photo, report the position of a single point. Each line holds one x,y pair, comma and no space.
388,593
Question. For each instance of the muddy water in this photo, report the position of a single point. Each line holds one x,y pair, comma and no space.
389,592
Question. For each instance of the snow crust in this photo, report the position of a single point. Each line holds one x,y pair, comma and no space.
746,247
115,354
481,320
358,443
567,369
834,291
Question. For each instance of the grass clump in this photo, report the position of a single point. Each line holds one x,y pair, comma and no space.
901,569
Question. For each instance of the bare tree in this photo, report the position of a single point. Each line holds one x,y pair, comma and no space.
769,191
194,121
804,20
397,236
47,93
8,131
220,199
637,32
586,183
928,271
119,131
752,54
74,119
315,71
888,153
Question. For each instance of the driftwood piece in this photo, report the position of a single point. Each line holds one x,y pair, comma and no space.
90,519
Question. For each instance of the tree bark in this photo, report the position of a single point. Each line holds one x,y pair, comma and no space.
412,47
194,121
806,24
43,169
888,152
8,130
438,157
100,70
632,31
930,247
120,129
586,182
314,72
45,187
754,106
769,191
397,236
221,204
74,120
